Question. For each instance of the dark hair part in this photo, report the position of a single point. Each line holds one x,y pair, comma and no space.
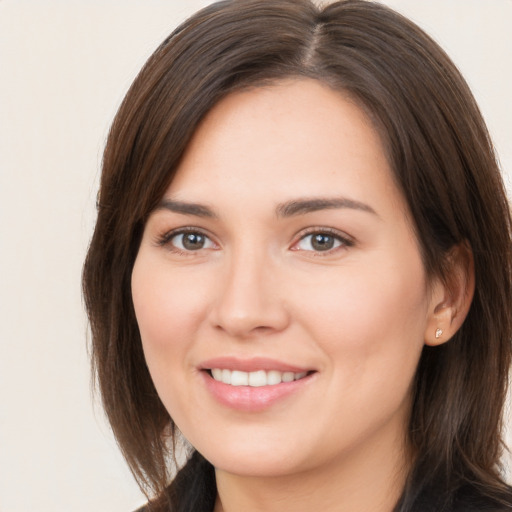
444,164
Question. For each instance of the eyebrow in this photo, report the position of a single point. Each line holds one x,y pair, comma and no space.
286,209
302,206
196,209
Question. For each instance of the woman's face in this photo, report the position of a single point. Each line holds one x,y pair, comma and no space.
279,287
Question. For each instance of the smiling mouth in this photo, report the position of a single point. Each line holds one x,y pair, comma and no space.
255,379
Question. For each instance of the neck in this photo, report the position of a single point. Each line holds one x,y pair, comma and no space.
369,480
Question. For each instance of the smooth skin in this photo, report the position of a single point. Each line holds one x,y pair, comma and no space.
335,286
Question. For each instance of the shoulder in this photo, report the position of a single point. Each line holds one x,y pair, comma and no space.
472,499
467,498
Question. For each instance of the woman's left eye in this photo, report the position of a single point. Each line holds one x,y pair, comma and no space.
321,242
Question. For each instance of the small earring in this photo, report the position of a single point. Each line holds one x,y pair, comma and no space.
439,332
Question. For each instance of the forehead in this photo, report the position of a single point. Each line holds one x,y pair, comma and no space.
292,138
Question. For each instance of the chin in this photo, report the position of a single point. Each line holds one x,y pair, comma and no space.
258,460
256,466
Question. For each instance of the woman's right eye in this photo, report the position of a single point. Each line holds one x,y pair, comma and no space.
188,241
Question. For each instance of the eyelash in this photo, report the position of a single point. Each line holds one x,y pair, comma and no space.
165,240
344,241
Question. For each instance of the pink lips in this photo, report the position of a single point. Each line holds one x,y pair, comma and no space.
250,365
248,398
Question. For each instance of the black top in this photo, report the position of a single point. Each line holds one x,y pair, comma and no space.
195,486
467,499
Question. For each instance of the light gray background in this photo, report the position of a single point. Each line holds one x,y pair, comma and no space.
64,67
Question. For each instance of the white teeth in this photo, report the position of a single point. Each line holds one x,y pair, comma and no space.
239,378
273,377
254,379
287,377
217,374
257,379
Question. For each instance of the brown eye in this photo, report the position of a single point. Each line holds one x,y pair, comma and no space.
191,241
321,242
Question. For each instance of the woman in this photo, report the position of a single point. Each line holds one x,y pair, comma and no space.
302,264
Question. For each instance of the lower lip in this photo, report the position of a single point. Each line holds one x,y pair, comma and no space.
252,399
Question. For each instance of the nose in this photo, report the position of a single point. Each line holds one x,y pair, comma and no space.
249,300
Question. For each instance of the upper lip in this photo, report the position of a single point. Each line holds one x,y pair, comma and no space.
251,365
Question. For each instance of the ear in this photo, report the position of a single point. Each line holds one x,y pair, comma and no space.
451,297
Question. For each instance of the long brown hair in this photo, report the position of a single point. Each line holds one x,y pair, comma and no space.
443,162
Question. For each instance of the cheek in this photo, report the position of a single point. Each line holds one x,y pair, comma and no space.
169,307
371,327
357,313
